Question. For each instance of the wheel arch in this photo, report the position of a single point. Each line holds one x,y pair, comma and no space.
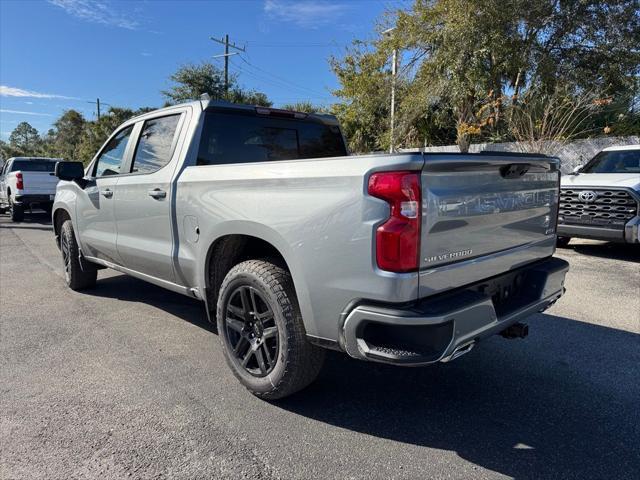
229,249
59,216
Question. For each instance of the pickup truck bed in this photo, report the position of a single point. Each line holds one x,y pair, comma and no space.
292,244
27,182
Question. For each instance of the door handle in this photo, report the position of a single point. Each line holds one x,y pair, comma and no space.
157,193
107,193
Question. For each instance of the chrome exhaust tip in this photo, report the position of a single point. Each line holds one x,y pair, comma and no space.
459,351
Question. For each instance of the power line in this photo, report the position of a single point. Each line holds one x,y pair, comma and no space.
287,83
279,84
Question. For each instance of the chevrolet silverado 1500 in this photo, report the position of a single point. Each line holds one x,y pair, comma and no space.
294,246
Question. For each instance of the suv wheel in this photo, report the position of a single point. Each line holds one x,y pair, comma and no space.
261,330
16,211
74,276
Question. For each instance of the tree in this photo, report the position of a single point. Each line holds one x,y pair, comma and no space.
191,81
24,139
364,88
470,59
304,107
7,151
67,134
97,132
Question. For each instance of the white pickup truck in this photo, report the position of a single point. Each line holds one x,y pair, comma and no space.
27,181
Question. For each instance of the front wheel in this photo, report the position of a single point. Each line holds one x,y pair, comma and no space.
74,276
261,331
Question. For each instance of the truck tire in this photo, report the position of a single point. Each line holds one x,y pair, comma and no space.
74,276
16,211
261,331
563,242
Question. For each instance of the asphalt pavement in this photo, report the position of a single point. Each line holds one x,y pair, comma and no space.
128,381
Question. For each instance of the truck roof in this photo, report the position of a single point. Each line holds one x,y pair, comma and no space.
207,104
49,159
622,147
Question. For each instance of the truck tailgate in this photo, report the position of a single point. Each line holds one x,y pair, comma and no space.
483,215
38,183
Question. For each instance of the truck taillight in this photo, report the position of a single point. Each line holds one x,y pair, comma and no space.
398,238
19,181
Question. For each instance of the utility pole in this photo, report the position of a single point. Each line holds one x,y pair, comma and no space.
225,41
394,68
97,103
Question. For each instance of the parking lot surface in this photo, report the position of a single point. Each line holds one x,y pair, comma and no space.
128,380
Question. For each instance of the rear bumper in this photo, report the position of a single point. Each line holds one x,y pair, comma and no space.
443,327
33,198
630,233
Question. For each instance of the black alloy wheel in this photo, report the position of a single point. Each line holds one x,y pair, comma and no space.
65,249
251,331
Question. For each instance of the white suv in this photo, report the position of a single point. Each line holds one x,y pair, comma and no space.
601,199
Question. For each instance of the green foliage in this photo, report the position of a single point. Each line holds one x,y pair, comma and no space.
304,107
24,140
364,88
190,81
467,61
97,132
7,151
67,134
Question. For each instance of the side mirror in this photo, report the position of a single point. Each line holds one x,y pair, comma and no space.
577,169
69,171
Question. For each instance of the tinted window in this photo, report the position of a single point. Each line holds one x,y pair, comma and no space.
154,147
621,161
242,138
33,166
110,159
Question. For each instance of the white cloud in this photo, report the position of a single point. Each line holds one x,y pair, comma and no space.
20,112
19,92
96,11
146,54
306,13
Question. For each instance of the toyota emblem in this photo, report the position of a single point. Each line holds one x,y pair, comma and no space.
587,196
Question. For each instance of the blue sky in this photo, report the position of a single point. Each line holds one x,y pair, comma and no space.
61,54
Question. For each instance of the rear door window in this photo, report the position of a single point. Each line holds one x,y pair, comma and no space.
154,147
245,138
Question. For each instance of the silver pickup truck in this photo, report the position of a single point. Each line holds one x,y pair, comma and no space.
294,246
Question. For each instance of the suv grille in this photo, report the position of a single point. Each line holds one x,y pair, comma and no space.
611,208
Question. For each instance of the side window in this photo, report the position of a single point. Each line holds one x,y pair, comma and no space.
110,160
244,138
154,147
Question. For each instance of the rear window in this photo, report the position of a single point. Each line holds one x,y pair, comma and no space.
33,166
242,138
